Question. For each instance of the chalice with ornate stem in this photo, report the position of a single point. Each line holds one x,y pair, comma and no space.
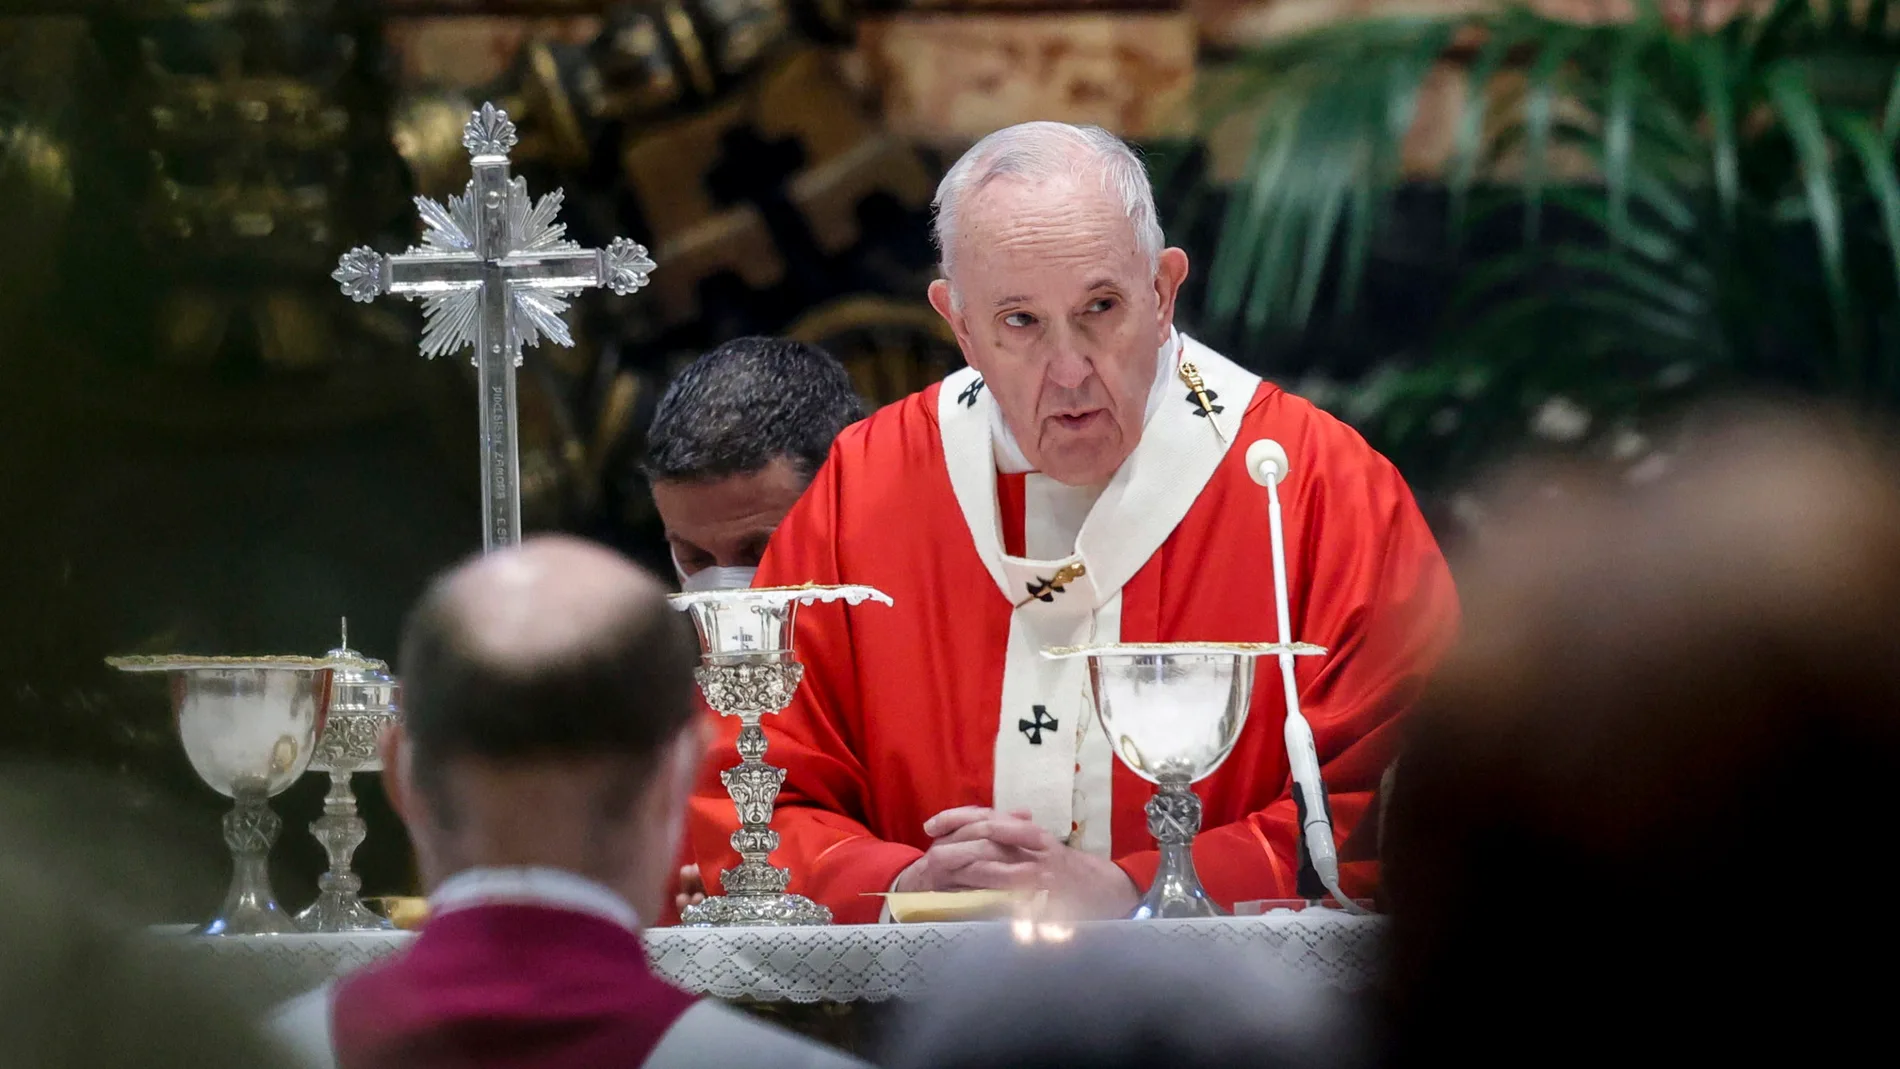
249,726
747,669
1172,713
363,701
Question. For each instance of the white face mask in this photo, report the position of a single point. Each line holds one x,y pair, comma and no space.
714,578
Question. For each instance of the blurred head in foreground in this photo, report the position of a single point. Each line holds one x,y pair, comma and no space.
1100,1004
80,987
734,443
1641,798
547,719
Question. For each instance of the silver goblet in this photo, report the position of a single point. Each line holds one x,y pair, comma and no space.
747,669
249,726
363,700
1172,712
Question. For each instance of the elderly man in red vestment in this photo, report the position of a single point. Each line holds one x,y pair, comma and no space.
1083,480
547,746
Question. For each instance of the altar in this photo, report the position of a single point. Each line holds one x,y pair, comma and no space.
836,964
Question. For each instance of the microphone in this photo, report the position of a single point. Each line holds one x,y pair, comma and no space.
1268,464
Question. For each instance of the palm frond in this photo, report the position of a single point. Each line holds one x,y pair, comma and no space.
1737,211
1540,108
1890,115
1801,117
1326,154
1875,154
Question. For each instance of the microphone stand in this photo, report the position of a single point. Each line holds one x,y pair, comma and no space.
1307,884
1318,853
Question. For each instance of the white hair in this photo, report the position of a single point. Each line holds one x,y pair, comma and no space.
1038,150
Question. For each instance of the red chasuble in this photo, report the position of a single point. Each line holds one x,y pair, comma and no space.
508,985
943,699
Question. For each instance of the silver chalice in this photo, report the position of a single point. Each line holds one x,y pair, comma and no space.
747,669
364,699
1172,713
249,726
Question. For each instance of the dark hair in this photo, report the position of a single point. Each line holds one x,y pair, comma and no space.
747,403
625,692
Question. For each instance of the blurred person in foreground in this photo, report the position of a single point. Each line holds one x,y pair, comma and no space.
1638,807
736,439
1098,1003
542,764
1083,480
80,986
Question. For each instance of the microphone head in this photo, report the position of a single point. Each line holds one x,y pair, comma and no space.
1267,460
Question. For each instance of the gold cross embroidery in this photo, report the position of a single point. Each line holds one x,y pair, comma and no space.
1197,390
1041,589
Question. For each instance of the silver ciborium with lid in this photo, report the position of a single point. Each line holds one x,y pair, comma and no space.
249,727
747,668
364,699
1172,712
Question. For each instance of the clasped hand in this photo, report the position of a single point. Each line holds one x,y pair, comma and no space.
975,848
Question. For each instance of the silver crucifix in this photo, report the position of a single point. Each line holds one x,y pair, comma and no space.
493,271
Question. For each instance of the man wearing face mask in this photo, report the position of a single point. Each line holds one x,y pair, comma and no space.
1084,480
735,440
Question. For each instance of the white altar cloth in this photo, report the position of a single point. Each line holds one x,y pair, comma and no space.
842,963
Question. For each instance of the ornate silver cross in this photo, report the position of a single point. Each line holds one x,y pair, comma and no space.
493,271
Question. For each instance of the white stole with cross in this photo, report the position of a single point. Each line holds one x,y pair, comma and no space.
1051,756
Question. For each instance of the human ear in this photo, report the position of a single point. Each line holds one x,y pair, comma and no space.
682,761
1170,271
398,776
674,780
942,300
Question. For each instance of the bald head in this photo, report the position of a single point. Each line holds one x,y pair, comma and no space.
546,601
553,649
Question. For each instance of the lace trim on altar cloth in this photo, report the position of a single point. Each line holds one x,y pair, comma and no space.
834,963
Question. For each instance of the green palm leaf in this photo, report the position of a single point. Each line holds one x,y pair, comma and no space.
1876,160
1739,216
1801,116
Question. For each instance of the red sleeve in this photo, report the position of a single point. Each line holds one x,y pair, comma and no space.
1367,581
834,858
